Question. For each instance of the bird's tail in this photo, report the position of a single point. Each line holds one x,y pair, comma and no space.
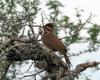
67,60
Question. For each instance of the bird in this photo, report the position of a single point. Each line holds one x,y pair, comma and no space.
52,42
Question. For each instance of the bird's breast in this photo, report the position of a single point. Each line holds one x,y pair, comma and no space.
52,42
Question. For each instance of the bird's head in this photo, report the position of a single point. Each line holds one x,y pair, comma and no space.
48,27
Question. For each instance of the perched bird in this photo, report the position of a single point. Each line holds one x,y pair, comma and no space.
52,42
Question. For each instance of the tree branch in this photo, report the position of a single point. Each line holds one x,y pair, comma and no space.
43,59
79,68
19,51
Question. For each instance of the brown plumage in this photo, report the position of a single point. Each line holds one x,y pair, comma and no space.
52,42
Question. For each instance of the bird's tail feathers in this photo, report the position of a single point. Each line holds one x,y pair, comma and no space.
67,61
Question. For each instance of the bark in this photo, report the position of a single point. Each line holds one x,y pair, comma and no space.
19,49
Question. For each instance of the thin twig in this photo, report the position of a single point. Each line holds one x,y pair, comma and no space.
39,32
6,68
82,25
32,74
30,66
23,31
42,20
30,25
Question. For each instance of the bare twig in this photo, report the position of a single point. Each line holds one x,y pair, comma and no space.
32,74
31,27
42,19
39,32
30,66
36,25
82,25
6,67
23,31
